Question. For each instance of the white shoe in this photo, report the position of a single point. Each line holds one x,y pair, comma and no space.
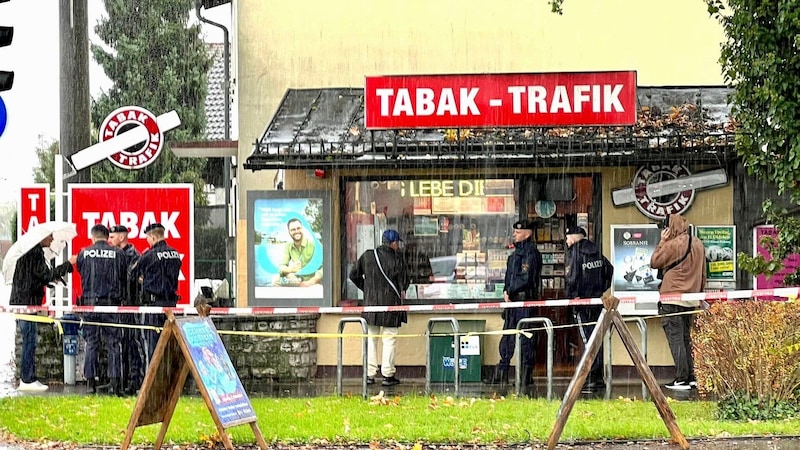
35,386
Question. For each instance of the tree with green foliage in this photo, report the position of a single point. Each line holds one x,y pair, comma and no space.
760,62
155,60
45,154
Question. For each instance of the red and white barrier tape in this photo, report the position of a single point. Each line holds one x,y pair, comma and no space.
650,298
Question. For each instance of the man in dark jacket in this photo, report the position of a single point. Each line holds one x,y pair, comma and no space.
157,271
589,275
382,276
522,282
133,359
103,270
31,275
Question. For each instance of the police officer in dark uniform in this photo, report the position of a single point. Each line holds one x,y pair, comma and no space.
522,282
103,272
157,272
588,275
132,347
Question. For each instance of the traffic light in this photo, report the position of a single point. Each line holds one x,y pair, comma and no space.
6,35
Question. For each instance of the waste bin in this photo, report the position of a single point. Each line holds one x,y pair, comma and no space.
442,355
70,338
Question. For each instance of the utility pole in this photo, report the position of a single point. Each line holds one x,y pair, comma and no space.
75,117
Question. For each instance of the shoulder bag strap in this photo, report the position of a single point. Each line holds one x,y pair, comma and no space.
378,260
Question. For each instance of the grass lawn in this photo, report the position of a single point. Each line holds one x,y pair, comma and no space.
409,419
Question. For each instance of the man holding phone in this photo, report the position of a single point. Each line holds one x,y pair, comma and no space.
680,259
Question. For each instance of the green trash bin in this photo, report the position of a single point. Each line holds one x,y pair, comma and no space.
442,354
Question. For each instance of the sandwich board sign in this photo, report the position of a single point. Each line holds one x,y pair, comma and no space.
192,345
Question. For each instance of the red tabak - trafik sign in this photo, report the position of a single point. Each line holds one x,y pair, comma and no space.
501,100
136,206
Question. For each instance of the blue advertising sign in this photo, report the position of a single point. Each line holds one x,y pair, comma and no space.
3,116
216,372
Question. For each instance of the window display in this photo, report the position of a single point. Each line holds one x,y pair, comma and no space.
457,232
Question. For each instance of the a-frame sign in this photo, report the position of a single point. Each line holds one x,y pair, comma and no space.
610,316
192,345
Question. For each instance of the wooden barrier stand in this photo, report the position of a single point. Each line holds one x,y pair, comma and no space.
610,316
192,345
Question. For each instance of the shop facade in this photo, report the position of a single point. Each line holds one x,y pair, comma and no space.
453,195
310,139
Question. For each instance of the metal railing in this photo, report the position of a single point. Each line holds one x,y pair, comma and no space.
364,355
548,328
456,352
642,325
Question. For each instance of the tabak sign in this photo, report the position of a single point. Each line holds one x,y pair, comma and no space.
500,100
136,206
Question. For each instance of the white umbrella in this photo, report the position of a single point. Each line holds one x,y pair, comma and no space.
62,232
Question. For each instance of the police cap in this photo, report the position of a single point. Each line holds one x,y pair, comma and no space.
153,226
576,230
524,224
120,229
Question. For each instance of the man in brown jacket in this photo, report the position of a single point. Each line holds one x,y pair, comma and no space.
680,259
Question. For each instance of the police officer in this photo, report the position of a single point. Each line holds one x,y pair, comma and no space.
522,282
103,273
588,274
132,346
157,272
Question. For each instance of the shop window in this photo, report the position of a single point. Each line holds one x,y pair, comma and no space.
457,232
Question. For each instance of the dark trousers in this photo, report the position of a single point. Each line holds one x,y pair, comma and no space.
27,330
677,329
150,337
586,318
508,342
133,358
110,336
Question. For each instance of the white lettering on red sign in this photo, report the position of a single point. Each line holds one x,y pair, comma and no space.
139,156
33,206
134,223
603,98
505,100
136,206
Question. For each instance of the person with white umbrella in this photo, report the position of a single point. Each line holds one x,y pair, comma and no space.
32,272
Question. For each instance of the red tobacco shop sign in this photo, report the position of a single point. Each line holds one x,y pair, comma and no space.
501,100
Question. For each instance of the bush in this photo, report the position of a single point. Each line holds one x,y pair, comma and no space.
746,354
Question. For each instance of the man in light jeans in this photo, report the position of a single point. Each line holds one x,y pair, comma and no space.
381,274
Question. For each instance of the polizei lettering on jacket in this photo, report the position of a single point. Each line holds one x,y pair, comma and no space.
171,254
592,265
99,253
423,101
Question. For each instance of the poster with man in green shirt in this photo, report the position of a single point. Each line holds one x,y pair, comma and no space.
298,267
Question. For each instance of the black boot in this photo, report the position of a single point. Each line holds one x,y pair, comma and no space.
500,376
116,387
526,377
91,386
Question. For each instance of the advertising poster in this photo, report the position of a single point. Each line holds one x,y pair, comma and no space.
289,245
720,243
217,374
790,263
631,249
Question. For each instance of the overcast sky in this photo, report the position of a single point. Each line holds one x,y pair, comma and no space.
33,102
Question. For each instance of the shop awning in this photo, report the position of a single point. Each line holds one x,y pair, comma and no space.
324,128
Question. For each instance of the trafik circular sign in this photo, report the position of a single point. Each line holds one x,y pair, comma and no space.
650,201
139,155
